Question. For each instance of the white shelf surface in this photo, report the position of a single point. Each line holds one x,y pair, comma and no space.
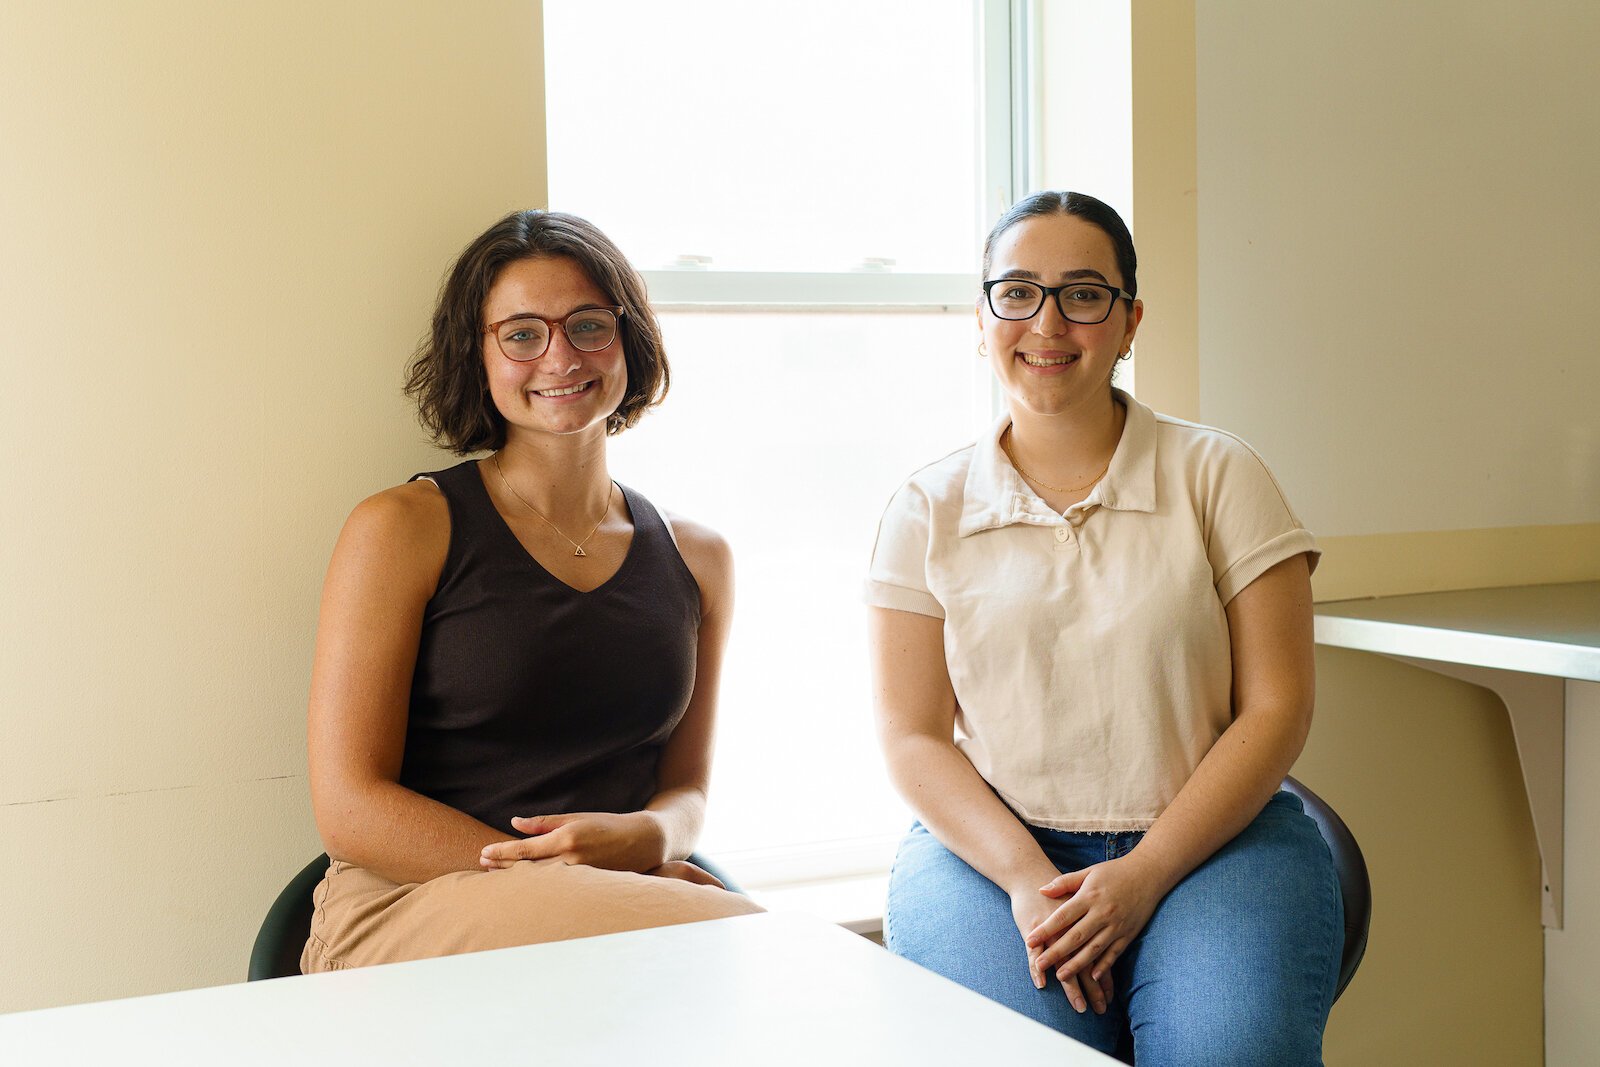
1552,630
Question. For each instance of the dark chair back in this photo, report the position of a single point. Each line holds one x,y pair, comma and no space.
287,926
1354,885
1354,889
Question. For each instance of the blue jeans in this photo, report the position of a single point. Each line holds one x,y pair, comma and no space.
1237,966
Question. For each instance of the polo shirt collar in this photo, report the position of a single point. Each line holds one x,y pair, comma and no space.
995,494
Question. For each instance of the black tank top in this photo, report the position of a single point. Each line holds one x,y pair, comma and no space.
532,698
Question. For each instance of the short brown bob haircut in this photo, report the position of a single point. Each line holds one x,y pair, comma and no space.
446,376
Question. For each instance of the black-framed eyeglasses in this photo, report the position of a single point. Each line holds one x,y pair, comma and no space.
525,337
1086,303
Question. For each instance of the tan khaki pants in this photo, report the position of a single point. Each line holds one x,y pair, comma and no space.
362,919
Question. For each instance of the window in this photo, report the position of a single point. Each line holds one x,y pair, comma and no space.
806,188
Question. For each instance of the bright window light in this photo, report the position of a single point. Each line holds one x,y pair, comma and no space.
787,434
824,136
825,155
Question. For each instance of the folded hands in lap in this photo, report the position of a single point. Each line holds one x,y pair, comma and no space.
628,841
1106,905
631,841
1029,910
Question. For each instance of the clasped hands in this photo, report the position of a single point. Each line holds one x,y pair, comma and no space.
1104,908
627,841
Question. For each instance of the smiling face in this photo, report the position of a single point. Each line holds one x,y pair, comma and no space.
1047,365
564,391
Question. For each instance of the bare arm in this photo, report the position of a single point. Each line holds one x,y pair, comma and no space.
916,709
1274,685
679,805
385,567
669,824
1269,625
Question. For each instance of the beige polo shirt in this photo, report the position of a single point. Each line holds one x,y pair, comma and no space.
1089,651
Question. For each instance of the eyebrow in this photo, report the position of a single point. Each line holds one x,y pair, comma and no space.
1071,275
536,315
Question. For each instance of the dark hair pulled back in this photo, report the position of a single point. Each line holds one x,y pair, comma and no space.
1082,205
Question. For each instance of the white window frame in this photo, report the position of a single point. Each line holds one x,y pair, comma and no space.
1007,91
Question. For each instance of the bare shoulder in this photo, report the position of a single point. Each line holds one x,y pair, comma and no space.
415,510
405,531
707,554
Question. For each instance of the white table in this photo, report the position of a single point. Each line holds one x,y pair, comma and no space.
1537,647
757,989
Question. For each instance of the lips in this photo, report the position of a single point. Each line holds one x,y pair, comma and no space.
1048,359
563,390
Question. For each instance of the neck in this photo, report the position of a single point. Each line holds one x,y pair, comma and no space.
1070,447
565,476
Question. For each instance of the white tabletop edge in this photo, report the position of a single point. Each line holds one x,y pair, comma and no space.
775,988
1499,651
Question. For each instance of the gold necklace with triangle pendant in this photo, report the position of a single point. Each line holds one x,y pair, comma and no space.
577,546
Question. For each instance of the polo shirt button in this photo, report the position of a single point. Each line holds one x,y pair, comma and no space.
1061,533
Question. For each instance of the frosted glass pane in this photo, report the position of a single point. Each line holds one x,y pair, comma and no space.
788,434
800,137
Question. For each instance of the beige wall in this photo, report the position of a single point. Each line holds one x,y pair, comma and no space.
1397,228
223,227
1420,150
1165,203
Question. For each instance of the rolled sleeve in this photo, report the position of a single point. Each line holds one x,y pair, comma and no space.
1264,558
1251,525
898,576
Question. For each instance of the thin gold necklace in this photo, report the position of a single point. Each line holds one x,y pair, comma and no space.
1005,447
576,545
